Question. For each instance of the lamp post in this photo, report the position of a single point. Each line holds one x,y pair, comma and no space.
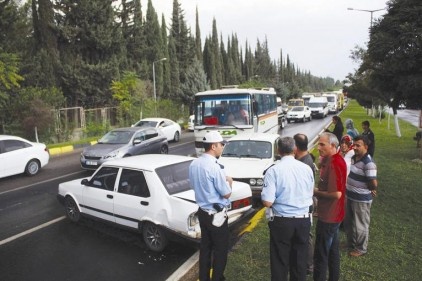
153,76
369,11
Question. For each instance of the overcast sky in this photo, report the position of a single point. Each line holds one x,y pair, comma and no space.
318,35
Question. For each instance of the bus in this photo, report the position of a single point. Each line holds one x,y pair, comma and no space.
234,111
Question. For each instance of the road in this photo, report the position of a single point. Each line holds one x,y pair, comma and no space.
38,243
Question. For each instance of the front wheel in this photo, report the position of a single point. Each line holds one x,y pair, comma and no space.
154,237
33,167
72,210
304,119
310,117
164,149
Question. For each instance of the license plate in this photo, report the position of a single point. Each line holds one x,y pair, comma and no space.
92,163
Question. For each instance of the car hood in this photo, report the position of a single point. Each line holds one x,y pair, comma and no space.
245,167
100,149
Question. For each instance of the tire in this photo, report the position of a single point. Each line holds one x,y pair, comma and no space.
304,119
164,150
310,118
176,136
72,210
154,237
288,121
32,167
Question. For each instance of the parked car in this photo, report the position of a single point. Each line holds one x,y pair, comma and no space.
18,155
299,113
191,123
170,129
148,193
124,142
246,156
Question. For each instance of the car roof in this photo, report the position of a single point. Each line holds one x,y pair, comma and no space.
256,137
148,162
156,119
133,129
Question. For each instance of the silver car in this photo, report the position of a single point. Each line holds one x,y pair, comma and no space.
124,142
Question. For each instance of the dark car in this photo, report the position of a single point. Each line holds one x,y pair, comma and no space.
124,142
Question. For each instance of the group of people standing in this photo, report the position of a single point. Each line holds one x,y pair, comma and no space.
344,192
345,189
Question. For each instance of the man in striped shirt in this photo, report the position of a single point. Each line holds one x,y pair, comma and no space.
361,188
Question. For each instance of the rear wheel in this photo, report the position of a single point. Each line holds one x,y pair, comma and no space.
154,237
176,136
33,167
72,210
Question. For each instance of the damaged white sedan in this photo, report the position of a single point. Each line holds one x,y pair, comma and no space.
149,193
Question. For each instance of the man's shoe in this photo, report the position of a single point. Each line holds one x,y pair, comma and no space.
355,253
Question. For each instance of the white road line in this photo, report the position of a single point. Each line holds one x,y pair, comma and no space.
26,186
10,239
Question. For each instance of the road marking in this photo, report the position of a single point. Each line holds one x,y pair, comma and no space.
26,186
14,237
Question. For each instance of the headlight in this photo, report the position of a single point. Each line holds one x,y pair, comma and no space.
113,154
252,181
259,182
193,221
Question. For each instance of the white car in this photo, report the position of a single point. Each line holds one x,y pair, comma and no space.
246,156
18,155
191,123
169,128
149,193
299,113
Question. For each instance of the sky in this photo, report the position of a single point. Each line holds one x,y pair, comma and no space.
318,35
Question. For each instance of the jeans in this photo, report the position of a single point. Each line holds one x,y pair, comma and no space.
327,254
214,248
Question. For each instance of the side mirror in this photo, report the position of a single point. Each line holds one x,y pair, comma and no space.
137,141
277,157
84,182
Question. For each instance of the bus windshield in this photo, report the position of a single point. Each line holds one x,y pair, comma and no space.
223,110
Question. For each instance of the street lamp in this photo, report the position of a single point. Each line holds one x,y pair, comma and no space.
153,76
369,11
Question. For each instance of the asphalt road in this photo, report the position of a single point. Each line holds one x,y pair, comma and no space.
38,243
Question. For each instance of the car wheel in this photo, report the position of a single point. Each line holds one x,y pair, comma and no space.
154,237
176,136
72,210
304,119
33,167
164,150
310,117
288,121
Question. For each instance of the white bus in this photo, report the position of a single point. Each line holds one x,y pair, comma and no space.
234,111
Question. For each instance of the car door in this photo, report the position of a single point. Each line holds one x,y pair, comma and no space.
14,153
154,140
167,129
98,194
132,199
142,147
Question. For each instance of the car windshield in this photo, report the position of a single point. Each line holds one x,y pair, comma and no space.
116,137
175,178
248,149
144,123
316,104
298,108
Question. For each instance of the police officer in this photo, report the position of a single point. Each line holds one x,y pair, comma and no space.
212,190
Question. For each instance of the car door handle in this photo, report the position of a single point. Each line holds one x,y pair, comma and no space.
109,196
144,203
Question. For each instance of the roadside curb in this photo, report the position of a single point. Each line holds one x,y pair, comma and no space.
55,151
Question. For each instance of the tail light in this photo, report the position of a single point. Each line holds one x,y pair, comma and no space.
238,204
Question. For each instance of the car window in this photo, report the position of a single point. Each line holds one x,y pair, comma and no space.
140,136
11,145
116,137
105,178
248,149
133,183
175,178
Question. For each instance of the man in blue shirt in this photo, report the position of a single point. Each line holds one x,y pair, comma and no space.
288,189
212,191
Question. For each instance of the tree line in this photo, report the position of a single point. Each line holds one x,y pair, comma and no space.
390,71
101,53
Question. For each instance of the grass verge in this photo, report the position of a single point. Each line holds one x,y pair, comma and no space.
395,244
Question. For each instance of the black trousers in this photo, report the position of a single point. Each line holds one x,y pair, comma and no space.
289,239
214,248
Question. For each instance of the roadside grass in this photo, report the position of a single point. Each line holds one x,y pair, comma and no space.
395,244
